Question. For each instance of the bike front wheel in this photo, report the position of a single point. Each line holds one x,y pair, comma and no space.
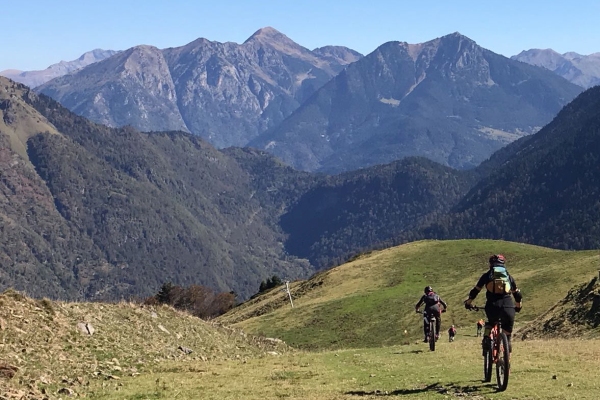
503,363
487,365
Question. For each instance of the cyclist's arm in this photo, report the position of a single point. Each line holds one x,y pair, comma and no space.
477,288
421,301
442,302
516,292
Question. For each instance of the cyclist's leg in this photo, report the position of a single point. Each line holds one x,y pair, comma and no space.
425,326
438,321
492,312
507,316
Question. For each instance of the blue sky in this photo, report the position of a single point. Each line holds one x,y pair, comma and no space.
38,33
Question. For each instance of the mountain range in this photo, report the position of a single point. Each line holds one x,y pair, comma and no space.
226,93
447,99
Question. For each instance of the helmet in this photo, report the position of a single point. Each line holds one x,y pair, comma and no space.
497,259
428,289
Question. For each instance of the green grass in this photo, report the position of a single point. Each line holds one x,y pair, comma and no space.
369,302
412,371
352,319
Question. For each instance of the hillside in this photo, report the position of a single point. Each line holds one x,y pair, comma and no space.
369,302
100,213
545,192
370,208
56,348
577,315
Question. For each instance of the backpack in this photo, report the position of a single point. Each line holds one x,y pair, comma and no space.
499,280
431,299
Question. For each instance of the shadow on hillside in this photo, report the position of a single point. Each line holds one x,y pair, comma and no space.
434,387
454,389
408,352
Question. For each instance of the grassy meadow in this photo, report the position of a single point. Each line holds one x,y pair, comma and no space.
369,302
353,334
454,370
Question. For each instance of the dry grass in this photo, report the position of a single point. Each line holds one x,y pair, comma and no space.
41,341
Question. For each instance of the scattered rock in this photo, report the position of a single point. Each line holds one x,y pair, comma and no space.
553,376
7,371
154,314
86,328
185,350
67,391
162,328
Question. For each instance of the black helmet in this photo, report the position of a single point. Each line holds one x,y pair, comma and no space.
428,289
497,259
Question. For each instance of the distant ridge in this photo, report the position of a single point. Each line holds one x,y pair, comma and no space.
582,70
37,78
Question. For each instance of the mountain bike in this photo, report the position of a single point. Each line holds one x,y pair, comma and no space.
433,333
497,351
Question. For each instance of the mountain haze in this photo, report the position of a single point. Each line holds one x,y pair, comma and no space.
36,78
582,70
447,99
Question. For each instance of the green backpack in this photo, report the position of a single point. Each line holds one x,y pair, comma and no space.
499,280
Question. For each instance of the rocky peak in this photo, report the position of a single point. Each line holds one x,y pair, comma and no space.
267,34
271,37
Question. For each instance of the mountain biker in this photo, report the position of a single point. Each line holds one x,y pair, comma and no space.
432,307
499,305
451,333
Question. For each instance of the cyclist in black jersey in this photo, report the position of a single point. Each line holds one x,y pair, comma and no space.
432,302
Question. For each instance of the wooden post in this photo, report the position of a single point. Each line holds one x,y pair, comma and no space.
287,289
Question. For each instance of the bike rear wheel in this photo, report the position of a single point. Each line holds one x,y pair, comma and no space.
503,363
432,334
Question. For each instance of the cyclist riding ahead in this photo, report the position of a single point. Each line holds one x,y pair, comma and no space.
500,286
432,307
